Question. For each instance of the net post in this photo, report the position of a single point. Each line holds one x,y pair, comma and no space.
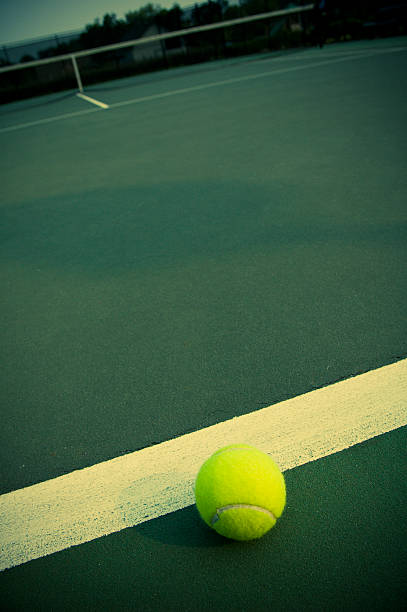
77,73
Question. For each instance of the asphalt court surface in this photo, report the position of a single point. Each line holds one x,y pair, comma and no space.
340,545
201,76
222,239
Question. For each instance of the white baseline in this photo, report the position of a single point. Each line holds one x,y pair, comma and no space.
128,490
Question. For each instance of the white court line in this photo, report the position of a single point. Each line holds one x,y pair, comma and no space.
129,490
21,126
92,100
175,92
249,77
331,53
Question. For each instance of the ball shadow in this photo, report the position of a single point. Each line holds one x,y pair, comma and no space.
182,528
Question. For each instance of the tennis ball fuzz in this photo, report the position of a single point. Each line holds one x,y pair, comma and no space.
240,492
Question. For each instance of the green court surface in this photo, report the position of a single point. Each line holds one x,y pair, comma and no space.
340,545
220,239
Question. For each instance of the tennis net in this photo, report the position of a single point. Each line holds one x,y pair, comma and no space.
225,39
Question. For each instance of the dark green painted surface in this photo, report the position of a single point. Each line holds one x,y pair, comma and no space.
171,264
340,545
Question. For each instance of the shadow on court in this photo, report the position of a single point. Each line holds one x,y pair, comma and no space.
182,302
168,224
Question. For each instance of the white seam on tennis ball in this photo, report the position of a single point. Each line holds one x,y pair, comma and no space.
220,511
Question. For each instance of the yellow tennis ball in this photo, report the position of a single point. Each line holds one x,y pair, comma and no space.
240,492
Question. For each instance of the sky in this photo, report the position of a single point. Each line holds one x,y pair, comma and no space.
25,19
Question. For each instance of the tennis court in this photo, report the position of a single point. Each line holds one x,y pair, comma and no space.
218,239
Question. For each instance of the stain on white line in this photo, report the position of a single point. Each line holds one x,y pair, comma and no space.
129,490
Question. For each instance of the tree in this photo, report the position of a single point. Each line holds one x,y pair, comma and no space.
144,16
111,30
211,12
170,20
254,7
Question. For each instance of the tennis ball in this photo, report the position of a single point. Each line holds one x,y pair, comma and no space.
240,492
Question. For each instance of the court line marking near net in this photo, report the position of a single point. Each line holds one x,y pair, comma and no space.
92,100
128,490
251,77
204,86
29,124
